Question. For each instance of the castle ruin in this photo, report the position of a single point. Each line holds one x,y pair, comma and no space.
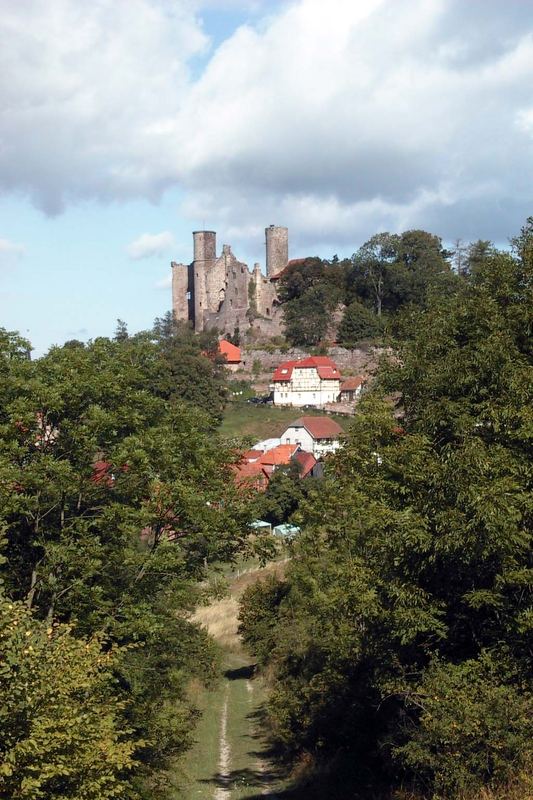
221,292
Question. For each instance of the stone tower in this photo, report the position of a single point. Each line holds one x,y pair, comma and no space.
205,255
277,249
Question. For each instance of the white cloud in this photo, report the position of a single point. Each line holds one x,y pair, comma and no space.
164,283
86,90
344,117
8,248
150,244
336,118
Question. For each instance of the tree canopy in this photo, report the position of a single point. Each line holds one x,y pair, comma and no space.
115,492
386,274
400,640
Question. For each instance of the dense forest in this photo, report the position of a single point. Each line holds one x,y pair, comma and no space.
387,274
398,645
115,494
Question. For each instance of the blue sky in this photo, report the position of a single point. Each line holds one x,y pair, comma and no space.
127,125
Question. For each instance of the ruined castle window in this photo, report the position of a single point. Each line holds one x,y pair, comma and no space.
268,312
242,270
236,290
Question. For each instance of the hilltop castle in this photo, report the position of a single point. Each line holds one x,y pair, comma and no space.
221,292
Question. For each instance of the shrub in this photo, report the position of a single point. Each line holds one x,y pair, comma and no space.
468,729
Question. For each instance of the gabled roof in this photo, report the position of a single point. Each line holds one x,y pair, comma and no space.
281,454
254,475
350,384
305,461
326,368
319,427
230,351
252,455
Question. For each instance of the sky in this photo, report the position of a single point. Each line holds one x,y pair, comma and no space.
127,124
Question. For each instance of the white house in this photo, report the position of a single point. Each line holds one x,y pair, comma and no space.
316,435
351,388
312,381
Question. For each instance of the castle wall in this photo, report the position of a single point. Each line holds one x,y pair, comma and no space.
227,284
180,289
215,291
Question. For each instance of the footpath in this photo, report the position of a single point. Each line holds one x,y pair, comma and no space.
230,759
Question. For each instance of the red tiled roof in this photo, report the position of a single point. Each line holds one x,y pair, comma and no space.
252,455
305,461
350,384
254,475
326,368
230,351
281,454
319,427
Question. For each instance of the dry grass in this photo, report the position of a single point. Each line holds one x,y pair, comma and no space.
220,617
519,789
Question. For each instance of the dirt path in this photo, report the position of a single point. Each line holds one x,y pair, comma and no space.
230,760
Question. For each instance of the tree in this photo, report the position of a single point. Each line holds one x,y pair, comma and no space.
392,270
114,495
403,637
358,323
121,331
310,290
306,319
371,266
190,366
60,719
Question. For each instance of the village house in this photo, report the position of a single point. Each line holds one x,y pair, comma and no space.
231,355
351,388
316,435
312,381
257,466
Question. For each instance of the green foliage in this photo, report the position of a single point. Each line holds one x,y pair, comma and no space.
407,609
466,727
190,368
258,616
115,492
60,717
387,273
283,496
310,290
358,323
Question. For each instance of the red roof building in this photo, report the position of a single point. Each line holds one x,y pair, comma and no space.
306,463
316,435
279,456
312,381
230,353
351,388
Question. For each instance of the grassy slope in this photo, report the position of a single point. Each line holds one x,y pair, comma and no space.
261,422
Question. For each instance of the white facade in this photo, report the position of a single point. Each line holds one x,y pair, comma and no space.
305,388
299,435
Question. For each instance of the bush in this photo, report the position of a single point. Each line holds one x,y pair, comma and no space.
358,322
468,730
258,616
